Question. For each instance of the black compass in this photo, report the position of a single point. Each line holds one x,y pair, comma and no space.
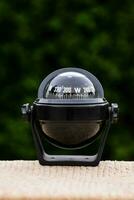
70,113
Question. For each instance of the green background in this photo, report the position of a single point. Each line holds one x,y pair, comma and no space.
40,36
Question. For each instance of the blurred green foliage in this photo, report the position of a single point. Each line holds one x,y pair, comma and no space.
39,36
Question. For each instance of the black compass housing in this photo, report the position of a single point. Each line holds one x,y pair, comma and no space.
70,113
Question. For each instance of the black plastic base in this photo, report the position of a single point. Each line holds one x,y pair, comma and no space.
70,160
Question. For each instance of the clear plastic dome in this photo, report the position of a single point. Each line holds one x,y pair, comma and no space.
70,85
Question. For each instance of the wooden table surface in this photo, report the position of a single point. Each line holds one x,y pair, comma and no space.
29,180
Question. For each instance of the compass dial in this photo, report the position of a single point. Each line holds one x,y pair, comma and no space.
70,85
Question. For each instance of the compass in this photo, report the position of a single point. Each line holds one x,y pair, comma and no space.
70,113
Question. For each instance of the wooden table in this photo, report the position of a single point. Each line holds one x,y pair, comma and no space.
29,180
